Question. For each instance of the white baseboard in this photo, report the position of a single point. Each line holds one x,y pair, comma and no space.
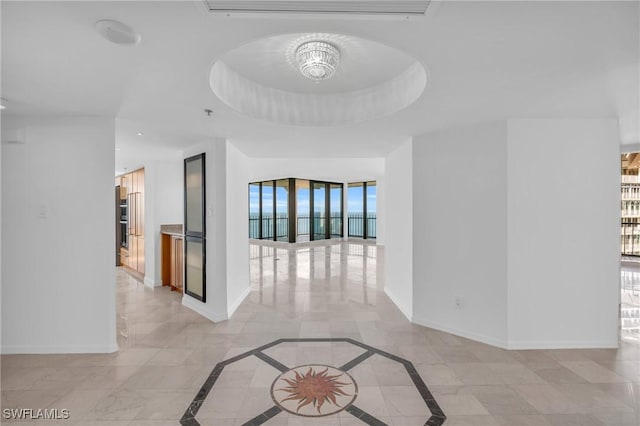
462,333
406,312
152,283
518,345
203,309
232,309
63,349
559,344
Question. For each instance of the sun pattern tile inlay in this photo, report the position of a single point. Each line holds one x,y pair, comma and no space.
314,390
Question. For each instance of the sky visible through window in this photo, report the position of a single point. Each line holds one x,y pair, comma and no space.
354,200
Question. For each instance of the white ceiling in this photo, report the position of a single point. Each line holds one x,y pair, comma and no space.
486,61
271,62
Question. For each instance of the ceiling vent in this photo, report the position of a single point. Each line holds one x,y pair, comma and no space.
336,7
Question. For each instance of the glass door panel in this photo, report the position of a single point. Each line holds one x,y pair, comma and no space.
372,206
302,210
319,210
194,267
355,208
267,210
195,227
630,250
194,203
335,207
254,210
282,210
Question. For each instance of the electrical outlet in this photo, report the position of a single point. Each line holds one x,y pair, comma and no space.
43,211
459,302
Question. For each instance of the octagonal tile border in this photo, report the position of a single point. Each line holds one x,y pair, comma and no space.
437,417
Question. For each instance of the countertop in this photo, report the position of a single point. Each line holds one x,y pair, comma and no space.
173,229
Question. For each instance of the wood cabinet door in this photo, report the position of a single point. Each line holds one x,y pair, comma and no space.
173,259
140,266
124,256
131,209
179,278
140,221
134,181
133,252
124,186
140,181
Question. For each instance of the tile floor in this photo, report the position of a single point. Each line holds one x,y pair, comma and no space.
325,290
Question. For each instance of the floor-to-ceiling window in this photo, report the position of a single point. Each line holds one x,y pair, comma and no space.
282,210
335,208
630,247
362,207
319,210
355,208
268,213
303,206
371,191
254,210
630,208
295,210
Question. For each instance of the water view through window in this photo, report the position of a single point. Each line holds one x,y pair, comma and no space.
362,207
297,210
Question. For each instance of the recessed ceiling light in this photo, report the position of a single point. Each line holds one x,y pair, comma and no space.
117,32
140,133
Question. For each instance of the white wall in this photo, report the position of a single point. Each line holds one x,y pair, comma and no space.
58,223
164,204
237,220
459,224
2,126
564,218
215,307
328,169
399,221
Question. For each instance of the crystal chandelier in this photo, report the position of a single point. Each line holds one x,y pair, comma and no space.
317,60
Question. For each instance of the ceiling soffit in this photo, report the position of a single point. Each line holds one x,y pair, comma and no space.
261,80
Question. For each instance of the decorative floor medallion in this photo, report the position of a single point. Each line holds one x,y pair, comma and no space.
314,390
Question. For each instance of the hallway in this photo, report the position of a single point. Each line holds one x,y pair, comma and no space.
317,290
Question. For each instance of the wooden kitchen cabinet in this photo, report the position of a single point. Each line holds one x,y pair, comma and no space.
124,256
132,190
177,263
173,261
132,261
125,186
140,265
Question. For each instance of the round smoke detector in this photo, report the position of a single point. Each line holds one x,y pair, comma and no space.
117,32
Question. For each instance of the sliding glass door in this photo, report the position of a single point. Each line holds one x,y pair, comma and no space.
335,207
362,207
267,210
254,210
355,206
319,210
295,210
282,210
372,206
303,209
